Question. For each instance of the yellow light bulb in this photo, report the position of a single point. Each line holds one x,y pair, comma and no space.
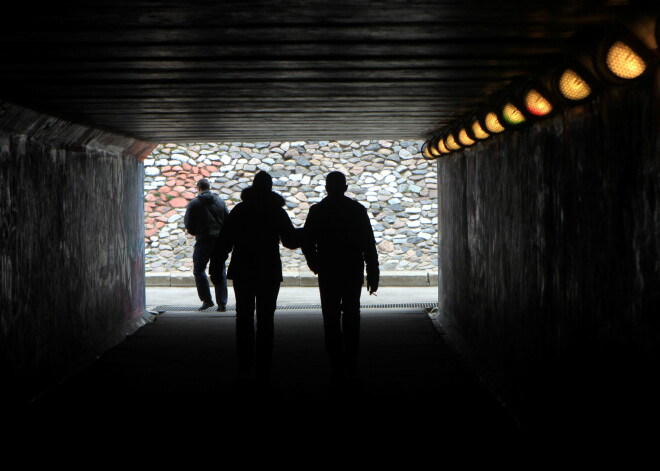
537,104
451,143
464,138
443,147
492,123
479,131
512,115
572,86
624,62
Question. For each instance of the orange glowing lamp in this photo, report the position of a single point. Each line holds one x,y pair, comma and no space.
572,86
623,62
493,123
537,104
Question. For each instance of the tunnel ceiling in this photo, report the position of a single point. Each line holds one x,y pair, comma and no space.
208,71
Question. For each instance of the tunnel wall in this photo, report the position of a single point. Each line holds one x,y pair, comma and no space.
549,259
72,246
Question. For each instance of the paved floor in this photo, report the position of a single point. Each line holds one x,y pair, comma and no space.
173,296
182,365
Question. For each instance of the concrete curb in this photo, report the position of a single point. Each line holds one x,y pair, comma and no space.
392,278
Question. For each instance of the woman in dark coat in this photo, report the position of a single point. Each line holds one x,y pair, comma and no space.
252,233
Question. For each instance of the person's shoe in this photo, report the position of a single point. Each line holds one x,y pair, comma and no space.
222,308
205,305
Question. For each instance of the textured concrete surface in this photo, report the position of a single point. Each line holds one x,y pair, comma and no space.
71,246
549,256
295,295
306,278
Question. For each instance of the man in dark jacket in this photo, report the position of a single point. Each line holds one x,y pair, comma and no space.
252,233
205,217
338,241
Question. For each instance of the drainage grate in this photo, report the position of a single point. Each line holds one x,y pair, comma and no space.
422,305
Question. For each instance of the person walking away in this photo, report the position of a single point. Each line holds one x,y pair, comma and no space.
338,243
252,233
205,217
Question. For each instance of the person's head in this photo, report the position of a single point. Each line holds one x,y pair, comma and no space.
335,184
262,182
203,184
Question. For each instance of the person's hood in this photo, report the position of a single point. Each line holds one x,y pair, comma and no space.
250,195
206,197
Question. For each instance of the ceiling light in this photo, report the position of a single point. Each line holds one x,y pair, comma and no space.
440,145
478,131
492,123
537,104
624,62
451,143
512,115
428,154
573,86
464,139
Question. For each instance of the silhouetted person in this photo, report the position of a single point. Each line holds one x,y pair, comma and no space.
252,233
205,217
338,241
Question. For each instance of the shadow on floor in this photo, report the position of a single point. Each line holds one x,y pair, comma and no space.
184,363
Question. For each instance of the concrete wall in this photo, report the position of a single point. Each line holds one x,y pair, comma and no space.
549,277
71,246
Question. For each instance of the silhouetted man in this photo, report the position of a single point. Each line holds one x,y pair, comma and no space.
252,233
338,241
205,217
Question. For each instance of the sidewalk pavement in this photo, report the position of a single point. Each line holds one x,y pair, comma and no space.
294,295
418,278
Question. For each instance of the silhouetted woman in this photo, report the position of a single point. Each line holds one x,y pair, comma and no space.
252,233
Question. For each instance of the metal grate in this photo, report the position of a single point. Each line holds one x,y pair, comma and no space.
420,305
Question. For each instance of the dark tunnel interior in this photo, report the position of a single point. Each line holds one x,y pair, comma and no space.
549,229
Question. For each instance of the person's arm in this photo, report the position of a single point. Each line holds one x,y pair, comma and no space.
308,242
289,235
370,253
188,218
226,240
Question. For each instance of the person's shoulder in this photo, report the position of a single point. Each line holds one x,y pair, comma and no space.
355,204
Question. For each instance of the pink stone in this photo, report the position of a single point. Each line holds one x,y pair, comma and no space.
212,168
160,224
151,232
187,167
188,195
179,189
205,172
178,202
151,197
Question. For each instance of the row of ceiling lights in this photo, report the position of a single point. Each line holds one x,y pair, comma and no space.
619,57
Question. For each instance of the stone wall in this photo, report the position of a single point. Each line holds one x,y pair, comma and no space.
390,178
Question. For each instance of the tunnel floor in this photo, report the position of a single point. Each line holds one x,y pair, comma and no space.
185,361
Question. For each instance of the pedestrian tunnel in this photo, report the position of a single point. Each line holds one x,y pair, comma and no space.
548,259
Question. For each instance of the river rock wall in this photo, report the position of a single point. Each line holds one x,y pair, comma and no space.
390,178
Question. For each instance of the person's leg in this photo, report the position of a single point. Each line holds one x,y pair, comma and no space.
245,304
201,255
266,304
331,309
350,306
219,279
